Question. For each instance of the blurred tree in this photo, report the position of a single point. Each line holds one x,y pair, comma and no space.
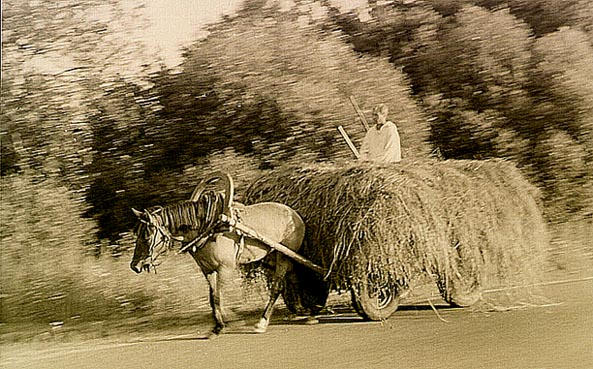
499,80
266,87
565,59
483,72
495,51
565,176
124,131
544,16
279,86
271,84
56,57
583,18
74,103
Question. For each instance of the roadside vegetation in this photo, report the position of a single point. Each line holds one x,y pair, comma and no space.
93,125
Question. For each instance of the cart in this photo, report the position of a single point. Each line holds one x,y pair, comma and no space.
306,290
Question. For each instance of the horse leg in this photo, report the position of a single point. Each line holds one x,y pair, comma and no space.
221,284
215,302
282,267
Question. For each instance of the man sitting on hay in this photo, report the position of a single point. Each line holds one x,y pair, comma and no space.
381,142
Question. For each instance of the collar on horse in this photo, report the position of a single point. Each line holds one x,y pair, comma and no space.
228,211
223,224
199,242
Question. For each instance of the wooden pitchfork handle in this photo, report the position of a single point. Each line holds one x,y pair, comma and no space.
365,123
349,142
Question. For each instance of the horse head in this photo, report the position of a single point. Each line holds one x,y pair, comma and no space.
152,240
158,227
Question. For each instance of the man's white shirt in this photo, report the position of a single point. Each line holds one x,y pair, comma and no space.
381,145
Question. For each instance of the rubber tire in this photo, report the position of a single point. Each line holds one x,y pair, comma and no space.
369,307
458,293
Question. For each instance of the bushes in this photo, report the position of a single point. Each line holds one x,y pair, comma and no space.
500,79
49,275
45,273
42,240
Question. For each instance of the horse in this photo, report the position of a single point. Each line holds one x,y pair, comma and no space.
217,248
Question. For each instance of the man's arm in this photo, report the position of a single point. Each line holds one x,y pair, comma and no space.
364,148
392,149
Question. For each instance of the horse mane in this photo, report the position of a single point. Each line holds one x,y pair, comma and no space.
196,215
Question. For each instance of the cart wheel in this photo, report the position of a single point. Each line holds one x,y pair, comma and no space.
461,285
374,302
304,293
459,291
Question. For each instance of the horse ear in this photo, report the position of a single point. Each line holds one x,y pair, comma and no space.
137,213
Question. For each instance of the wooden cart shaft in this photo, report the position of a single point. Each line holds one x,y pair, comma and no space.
251,233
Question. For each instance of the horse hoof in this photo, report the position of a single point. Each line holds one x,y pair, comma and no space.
216,332
212,336
257,329
311,320
261,326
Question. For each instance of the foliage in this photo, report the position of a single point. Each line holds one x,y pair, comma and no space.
499,81
47,276
92,125
283,90
124,129
545,17
278,97
42,237
58,62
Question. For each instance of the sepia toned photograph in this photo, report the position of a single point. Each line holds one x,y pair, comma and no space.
365,184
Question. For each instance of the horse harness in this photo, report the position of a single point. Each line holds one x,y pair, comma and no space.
165,239
220,226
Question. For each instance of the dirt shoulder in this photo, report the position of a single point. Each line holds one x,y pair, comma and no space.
571,259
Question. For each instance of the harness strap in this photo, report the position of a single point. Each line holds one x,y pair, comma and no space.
162,230
198,242
240,246
218,226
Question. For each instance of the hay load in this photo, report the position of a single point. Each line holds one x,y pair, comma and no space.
468,224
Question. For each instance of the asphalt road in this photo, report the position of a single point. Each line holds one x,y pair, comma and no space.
557,334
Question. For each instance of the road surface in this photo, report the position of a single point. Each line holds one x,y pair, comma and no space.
556,334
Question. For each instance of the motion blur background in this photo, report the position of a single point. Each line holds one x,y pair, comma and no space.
102,112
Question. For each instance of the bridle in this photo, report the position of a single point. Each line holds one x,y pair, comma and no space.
158,246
